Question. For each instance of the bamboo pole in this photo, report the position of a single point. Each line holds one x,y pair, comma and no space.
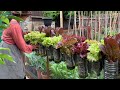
106,22
91,26
99,33
61,19
75,22
114,21
119,21
69,22
82,23
95,24
79,23
110,22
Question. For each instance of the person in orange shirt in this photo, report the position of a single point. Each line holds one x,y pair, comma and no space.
12,38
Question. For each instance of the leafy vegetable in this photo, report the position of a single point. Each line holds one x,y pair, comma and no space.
111,48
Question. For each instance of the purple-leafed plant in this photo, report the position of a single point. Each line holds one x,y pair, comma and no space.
111,48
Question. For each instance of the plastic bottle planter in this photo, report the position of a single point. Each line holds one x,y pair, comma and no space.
82,67
76,58
40,49
69,61
111,70
95,66
49,53
37,51
118,70
43,50
56,55
62,56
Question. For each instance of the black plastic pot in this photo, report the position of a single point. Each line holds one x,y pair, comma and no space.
111,70
47,21
40,49
69,61
95,66
43,50
56,55
62,56
49,51
82,67
76,59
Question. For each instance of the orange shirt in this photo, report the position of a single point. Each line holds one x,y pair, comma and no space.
14,35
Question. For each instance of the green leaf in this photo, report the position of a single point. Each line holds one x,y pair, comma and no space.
3,26
1,61
4,19
7,57
5,49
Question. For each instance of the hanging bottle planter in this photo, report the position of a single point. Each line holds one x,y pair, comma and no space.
111,70
62,56
76,58
56,55
49,53
69,61
82,66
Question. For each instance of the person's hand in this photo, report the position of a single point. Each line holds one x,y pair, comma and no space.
35,47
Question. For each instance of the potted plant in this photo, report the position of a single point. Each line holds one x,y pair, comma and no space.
60,71
94,56
67,43
34,37
111,49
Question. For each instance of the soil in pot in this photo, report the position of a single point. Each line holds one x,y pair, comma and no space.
56,55
70,62
111,70
44,75
82,67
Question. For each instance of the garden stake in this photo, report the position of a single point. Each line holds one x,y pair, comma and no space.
47,64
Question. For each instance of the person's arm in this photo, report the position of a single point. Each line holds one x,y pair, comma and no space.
18,39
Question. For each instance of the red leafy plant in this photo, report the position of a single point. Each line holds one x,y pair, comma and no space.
80,47
111,48
66,44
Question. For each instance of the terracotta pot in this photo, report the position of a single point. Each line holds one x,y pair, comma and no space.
39,74
44,76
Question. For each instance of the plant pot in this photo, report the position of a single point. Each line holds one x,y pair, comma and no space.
95,66
111,70
47,22
40,49
70,62
82,67
62,56
44,75
50,53
56,55
76,59
43,50
39,74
